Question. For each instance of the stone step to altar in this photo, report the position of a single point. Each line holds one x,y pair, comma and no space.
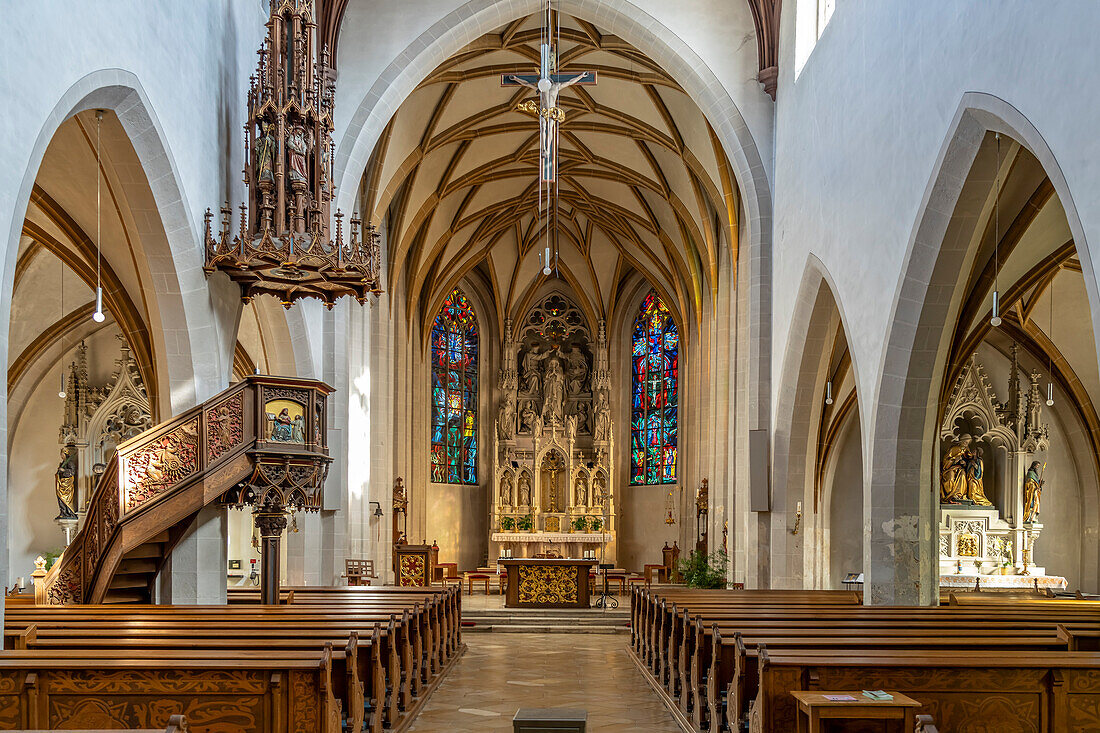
548,621
536,629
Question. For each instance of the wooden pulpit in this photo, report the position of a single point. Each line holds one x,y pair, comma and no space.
414,565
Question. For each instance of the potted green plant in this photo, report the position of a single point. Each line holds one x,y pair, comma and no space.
508,524
597,524
52,555
525,523
579,524
700,570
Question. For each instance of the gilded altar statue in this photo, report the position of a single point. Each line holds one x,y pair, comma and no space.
1033,491
65,484
961,475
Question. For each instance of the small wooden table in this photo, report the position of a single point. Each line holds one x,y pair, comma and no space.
814,708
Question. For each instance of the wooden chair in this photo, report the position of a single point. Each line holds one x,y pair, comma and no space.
479,577
358,572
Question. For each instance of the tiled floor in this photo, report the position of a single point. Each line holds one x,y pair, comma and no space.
501,673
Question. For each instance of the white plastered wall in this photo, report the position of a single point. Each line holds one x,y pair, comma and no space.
60,58
860,144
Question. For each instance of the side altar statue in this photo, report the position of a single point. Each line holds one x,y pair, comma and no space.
97,418
553,492
989,483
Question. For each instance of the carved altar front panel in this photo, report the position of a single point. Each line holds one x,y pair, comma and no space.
552,584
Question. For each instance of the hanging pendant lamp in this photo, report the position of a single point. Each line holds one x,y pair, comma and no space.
98,316
995,321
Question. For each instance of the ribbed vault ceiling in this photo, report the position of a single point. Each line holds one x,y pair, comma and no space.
644,184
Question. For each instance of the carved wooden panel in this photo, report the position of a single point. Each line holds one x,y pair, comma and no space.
209,714
779,706
304,697
213,701
224,426
69,586
10,684
1084,712
990,712
920,679
548,584
1083,680
9,712
412,571
168,460
102,682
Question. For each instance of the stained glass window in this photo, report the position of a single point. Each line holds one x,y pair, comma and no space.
655,388
454,392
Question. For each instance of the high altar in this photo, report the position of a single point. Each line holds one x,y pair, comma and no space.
990,485
553,489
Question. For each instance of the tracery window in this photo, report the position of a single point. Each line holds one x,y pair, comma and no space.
655,388
454,392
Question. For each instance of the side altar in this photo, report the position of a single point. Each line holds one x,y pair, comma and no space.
990,483
553,488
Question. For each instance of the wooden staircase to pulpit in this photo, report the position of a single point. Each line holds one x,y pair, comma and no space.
262,442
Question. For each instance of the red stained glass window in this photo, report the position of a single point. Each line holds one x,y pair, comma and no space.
454,392
654,394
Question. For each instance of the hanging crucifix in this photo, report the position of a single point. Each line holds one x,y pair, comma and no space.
549,85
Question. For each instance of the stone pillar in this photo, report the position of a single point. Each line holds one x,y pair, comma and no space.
380,400
196,570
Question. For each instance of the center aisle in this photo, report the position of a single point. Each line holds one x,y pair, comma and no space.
501,673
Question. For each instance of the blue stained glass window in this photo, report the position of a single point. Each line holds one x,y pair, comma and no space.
654,394
454,392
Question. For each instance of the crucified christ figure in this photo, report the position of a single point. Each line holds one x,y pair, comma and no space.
549,90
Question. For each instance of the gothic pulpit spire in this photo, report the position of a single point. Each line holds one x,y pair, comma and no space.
286,245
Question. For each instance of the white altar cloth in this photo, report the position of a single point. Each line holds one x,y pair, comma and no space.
1003,582
554,537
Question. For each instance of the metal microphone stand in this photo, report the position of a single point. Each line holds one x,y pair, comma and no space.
605,601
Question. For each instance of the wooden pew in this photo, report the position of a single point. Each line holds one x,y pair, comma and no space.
390,650
711,669
420,642
266,692
364,684
731,681
694,663
429,652
1042,691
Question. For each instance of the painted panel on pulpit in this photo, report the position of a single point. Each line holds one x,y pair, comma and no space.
454,392
654,398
